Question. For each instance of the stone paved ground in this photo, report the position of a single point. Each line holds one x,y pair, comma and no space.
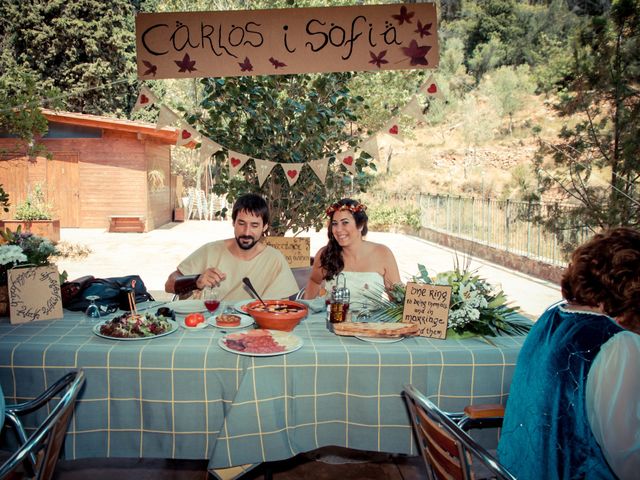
154,255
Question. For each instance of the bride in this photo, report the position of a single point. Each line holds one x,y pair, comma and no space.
369,268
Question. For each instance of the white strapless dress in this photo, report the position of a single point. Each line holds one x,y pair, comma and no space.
361,285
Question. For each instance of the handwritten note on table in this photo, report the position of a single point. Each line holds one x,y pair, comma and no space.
34,294
295,249
428,306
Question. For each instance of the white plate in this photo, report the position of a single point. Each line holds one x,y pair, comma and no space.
186,306
174,327
288,340
245,321
380,339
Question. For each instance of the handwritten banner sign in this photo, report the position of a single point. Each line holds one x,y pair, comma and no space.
428,306
295,40
34,294
295,249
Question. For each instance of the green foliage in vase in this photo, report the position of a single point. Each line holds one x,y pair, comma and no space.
286,119
476,307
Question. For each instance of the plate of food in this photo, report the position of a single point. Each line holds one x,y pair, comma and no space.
260,343
230,321
187,306
375,329
379,339
193,321
135,327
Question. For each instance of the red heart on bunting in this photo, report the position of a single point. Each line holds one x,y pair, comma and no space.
432,88
235,161
347,160
292,173
185,134
394,130
144,99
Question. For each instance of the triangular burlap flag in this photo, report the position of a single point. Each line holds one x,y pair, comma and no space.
384,139
292,171
208,148
236,161
145,99
319,167
370,145
431,88
414,109
394,130
186,134
166,117
263,169
348,159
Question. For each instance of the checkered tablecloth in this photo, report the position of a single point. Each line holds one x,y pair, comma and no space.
182,396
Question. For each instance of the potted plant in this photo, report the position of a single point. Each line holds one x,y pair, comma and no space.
34,215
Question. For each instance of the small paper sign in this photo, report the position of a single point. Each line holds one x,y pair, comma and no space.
34,294
295,249
428,306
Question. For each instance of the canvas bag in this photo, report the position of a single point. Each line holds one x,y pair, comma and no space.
108,289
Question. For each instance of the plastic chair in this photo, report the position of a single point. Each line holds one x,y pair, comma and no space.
38,454
446,447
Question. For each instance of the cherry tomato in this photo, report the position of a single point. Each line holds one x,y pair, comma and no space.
193,319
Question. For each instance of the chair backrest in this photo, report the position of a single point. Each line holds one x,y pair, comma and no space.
446,449
39,454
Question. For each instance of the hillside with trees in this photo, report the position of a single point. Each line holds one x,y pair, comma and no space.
540,101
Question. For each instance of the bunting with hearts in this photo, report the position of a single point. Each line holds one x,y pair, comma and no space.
146,98
414,109
208,148
319,167
292,172
393,131
370,145
430,88
166,118
348,160
263,169
186,135
236,161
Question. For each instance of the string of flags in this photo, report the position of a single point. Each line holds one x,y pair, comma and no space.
391,132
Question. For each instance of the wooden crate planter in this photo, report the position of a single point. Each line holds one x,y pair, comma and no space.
44,228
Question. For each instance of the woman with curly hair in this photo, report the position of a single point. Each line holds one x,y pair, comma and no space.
574,404
367,266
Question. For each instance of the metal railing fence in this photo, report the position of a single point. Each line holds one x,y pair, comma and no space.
501,224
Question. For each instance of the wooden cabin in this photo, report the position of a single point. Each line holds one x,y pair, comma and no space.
102,170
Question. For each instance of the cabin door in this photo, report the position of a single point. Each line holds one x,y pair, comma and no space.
63,188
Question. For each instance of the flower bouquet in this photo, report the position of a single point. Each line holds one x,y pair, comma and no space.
23,248
476,308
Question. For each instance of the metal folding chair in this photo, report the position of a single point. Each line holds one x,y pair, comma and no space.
38,454
448,451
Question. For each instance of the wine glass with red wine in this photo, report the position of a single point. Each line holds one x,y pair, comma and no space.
211,297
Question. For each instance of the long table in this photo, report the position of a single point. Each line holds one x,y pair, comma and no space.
183,396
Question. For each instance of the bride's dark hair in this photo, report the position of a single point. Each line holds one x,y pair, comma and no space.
331,258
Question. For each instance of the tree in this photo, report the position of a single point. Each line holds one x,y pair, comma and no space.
287,119
85,48
606,72
507,89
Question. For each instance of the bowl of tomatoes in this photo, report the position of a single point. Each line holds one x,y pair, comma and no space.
277,314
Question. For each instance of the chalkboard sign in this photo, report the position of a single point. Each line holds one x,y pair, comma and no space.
295,249
428,306
34,294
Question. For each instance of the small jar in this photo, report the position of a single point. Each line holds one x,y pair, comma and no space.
340,298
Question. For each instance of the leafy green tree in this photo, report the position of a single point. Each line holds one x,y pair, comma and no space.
85,48
507,89
606,72
287,119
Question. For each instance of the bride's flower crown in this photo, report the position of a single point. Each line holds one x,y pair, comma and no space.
339,207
